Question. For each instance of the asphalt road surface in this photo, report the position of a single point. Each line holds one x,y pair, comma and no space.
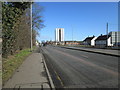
79,69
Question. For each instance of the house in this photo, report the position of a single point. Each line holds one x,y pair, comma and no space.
103,40
90,41
112,39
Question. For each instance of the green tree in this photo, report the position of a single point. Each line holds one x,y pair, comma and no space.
16,22
10,14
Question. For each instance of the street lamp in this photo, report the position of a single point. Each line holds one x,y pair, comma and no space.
31,28
107,34
72,34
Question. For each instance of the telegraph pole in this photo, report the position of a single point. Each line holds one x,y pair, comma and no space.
72,35
107,34
31,28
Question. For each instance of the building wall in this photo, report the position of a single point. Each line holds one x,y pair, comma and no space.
109,41
100,42
103,42
62,34
87,42
115,37
59,34
93,41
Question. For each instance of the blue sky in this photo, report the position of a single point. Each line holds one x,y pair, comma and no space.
85,18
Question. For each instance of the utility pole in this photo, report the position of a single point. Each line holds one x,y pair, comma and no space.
31,29
115,38
72,35
107,34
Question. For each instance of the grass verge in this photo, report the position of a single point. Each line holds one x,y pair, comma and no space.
10,64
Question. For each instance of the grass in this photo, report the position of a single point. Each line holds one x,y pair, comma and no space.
10,64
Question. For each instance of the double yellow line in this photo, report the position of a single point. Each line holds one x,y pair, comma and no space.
58,77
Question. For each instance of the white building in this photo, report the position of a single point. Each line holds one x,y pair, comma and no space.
93,41
115,37
90,41
103,41
59,35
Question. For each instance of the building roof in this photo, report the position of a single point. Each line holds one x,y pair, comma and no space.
102,37
89,38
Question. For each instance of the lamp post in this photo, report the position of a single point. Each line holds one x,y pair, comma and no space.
72,35
107,34
31,29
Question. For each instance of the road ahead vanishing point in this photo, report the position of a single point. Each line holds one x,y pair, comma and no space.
79,69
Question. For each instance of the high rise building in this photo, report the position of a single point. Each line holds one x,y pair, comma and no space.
59,34
115,37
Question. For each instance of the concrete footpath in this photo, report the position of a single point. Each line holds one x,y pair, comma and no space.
31,74
94,50
0,71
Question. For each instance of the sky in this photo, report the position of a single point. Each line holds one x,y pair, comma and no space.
84,18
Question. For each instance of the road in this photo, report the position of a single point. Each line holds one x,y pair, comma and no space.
79,69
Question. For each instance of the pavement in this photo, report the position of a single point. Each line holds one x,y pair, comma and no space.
0,72
79,69
31,74
94,50
0,63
